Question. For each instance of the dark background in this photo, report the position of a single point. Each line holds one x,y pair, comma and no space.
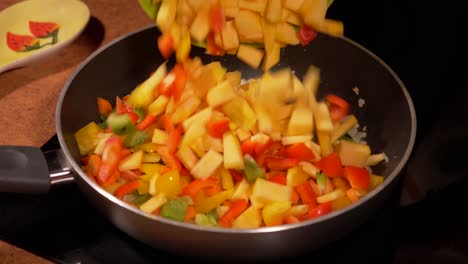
424,43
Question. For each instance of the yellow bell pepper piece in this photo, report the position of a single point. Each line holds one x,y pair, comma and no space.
149,169
154,203
169,184
144,186
204,204
226,179
341,202
273,213
87,138
250,218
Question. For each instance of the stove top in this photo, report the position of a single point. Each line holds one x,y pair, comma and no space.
63,227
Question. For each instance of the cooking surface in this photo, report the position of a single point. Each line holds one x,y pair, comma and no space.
61,227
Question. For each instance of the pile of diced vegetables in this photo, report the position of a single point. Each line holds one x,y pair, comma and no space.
196,143
253,30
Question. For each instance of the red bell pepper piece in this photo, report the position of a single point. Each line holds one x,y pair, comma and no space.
320,210
248,147
131,175
262,151
236,209
104,107
125,152
126,189
278,164
212,190
110,160
145,123
290,219
175,133
330,165
190,213
166,45
133,116
299,151
174,82
175,136
169,159
216,128
306,193
261,148
122,106
306,34
93,164
295,196
359,178
180,81
197,185
165,86
236,175
167,123
275,149
338,107
278,178
211,47
217,19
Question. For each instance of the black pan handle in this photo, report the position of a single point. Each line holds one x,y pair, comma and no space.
25,169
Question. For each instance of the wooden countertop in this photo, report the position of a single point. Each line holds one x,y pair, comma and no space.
28,96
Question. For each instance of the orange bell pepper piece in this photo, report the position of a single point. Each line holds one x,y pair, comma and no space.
299,151
166,45
338,107
104,107
197,185
306,193
330,165
216,128
149,120
359,178
236,209
111,157
126,189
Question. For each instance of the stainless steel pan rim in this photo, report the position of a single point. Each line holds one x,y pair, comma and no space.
77,169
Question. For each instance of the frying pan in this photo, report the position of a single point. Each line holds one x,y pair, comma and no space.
388,115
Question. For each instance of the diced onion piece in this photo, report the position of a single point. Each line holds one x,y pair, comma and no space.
344,127
207,165
289,140
154,203
331,196
298,210
309,168
375,159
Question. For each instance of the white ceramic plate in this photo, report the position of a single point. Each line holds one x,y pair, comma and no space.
32,30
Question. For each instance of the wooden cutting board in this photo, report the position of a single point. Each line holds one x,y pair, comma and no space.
28,96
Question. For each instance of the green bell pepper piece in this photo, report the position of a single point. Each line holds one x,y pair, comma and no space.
150,7
251,170
209,219
322,181
135,138
175,209
141,113
141,198
121,124
347,137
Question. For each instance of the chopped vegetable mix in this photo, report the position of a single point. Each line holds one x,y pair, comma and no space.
193,144
253,30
